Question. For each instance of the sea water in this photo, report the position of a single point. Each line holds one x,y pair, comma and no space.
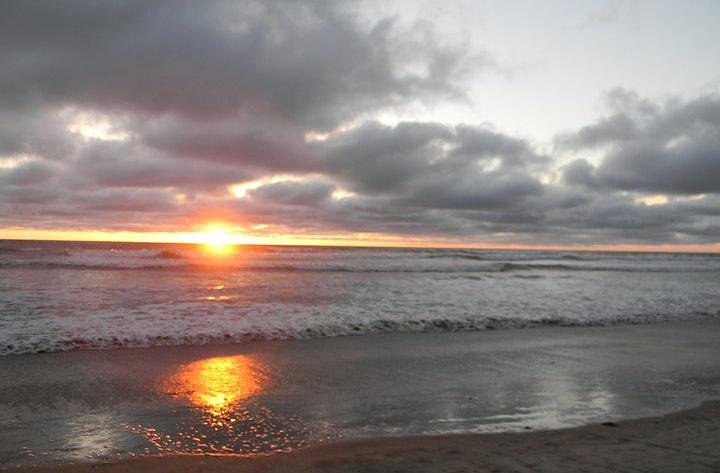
60,296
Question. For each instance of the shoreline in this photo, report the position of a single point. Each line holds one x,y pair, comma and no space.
58,409
682,441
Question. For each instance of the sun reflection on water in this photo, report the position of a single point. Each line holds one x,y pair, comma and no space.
215,384
227,413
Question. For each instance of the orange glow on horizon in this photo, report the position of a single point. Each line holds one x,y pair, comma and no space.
355,239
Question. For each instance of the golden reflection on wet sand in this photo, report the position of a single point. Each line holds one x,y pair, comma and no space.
223,391
215,384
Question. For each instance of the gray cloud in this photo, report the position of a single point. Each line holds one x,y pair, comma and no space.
669,148
27,173
377,158
294,193
429,188
34,132
243,139
126,164
311,62
434,164
206,97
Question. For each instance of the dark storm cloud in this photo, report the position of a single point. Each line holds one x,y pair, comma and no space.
137,200
293,193
26,173
579,173
33,132
431,164
125,164
243,139
476,143
377,158
310,62
708,206
671,148
475,190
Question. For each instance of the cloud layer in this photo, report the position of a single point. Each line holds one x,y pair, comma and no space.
148,116
672,148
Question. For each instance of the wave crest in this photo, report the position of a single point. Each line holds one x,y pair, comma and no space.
421,325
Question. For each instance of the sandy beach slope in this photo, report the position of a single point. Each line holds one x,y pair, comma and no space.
682,442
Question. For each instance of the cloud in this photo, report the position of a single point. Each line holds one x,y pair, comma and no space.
672,147
142,116
34,132
307,193
128,164
375,158
251,141
27,173
415,179
314,63
425,159
431,179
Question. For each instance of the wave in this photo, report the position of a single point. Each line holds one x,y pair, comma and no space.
168,254
574,258
12,251
30,250
174,261
464,256
47,344
514,256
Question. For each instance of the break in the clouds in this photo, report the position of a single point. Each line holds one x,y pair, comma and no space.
314,118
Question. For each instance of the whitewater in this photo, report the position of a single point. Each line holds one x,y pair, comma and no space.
60,296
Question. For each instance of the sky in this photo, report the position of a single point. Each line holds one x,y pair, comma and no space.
415,123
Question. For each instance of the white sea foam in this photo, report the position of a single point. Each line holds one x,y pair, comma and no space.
163,331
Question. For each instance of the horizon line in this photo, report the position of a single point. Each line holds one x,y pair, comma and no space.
639,248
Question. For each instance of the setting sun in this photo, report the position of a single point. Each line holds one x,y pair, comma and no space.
217,241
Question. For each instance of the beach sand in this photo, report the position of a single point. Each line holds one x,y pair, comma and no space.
683,442
393,400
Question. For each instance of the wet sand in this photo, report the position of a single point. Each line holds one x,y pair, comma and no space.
273,396
683,442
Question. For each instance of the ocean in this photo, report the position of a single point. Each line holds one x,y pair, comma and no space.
63,296
120,349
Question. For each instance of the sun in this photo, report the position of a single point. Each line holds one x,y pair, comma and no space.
217,241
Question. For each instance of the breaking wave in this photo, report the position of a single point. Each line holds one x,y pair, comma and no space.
176,334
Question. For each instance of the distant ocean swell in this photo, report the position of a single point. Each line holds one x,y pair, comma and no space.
178,335
489,267
61,296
